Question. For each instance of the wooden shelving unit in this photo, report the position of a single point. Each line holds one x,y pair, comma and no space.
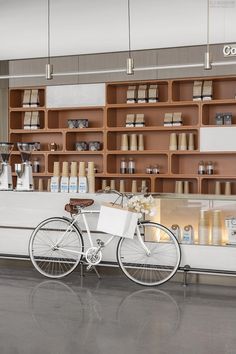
107,124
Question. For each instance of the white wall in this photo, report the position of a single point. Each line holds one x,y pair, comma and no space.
96,26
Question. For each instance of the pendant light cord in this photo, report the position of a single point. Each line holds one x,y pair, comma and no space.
49,30
208,25
129,28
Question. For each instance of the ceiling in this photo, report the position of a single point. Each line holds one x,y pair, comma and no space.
98,26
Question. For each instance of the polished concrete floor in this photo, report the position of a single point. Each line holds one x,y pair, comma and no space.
113,315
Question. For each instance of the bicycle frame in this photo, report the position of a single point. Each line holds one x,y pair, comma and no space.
92,244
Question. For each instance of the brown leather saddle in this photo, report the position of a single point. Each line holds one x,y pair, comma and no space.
76,204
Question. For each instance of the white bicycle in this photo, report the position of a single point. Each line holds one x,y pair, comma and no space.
56,247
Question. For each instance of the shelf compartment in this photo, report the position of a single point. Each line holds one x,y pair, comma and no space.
208,185
209,112
59,118
127,183
223,89
16,158
96,158
154,116
141,162
16,119
44,138
188,163
153,140
78,136
16,97
117,93
167,184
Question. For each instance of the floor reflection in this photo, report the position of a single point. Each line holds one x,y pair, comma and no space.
102,320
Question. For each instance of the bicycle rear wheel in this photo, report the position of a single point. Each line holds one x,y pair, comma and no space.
149,269
56,247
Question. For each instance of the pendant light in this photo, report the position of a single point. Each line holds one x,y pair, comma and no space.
130,60
207,58
49,67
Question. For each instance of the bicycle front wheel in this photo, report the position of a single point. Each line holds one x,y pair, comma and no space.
56,247
154,265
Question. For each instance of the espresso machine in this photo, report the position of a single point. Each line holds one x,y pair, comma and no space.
5,168
24,170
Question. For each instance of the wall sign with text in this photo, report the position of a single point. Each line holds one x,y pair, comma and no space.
229,50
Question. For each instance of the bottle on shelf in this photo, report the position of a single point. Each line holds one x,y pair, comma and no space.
55,180
201,168
209,168
123,166
140,142
133,142
40,185
73,180
124,142
134,188
227,188
36,166
122,186
91,177
65,177
131,166
156,169
83,181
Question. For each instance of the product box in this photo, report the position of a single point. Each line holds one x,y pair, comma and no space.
153,93
168,120
94,145
139,120
81,146
230,224
115,220
197,90
228,118
207,90
142,94
177,119
130,119
27,120
131,94
35,122
34,99
219,119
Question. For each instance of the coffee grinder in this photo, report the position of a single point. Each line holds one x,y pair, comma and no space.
5,168
24,169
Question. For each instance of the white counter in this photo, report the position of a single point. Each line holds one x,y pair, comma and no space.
21,212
